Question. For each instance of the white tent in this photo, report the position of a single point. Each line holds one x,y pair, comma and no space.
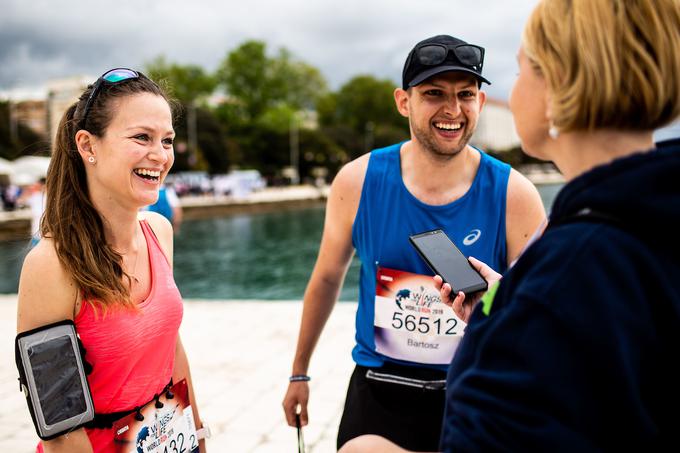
29,169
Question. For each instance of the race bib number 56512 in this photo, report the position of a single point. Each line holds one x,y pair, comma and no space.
411,322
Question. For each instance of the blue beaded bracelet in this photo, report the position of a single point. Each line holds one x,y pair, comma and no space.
299,378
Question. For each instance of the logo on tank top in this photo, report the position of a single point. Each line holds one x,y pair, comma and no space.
472,237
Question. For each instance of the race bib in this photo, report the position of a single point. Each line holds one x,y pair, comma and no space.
411,322
169,429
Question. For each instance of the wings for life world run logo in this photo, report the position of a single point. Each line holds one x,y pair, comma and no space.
419,301
150,437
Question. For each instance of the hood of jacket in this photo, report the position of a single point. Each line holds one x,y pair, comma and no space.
641,192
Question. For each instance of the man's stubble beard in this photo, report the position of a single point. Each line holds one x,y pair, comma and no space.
426,139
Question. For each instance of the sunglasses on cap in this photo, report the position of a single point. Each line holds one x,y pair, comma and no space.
111,77
467,54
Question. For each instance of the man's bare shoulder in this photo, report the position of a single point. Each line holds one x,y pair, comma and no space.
520,188
350,179
345,194
524,213
353,172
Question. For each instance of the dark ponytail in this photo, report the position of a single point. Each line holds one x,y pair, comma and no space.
70,219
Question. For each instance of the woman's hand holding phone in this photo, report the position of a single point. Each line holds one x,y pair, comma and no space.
461,305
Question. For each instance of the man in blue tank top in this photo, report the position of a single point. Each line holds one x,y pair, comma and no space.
406,336
168,206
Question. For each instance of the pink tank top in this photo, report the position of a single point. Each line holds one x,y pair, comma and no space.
132,353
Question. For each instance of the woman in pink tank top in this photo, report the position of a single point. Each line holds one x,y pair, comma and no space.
104,265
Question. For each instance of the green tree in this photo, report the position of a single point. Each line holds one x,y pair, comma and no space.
362,100
217,147
244,74
257,83
263,95
295,83
186,83
362,116
190,84
318,150
277,118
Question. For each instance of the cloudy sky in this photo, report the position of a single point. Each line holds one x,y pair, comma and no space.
46,39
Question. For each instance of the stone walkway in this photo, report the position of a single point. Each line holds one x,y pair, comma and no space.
240,354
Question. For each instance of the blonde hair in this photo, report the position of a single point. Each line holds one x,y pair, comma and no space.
612,64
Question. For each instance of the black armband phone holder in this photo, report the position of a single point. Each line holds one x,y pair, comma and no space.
52,375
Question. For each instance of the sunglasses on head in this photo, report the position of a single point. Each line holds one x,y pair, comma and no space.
467,54
111,77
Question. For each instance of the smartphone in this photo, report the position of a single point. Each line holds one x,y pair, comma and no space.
445,259
53,377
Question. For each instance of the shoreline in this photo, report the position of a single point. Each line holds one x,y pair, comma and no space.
16,225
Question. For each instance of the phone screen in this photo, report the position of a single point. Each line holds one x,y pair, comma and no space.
57,379
444,258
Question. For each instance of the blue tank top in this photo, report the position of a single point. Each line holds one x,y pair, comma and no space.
162,205
388,214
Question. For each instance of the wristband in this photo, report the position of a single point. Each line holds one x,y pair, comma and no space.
299,378
203,432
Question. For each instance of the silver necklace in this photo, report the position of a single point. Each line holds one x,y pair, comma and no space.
134,268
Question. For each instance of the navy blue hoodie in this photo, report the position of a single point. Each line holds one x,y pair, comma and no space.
579,350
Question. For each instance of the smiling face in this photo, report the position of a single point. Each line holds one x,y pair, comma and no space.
443,112
134,154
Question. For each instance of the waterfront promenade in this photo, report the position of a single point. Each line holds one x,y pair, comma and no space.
240,354
16,224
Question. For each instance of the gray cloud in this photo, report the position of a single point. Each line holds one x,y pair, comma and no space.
42,40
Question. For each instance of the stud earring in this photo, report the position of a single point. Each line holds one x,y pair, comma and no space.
553,132
90,159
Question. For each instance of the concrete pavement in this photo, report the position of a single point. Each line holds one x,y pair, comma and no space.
240,354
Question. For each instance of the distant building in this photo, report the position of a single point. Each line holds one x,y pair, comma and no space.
60,95
496,129
32,114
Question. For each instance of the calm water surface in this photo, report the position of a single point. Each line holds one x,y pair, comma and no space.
266,256
253,256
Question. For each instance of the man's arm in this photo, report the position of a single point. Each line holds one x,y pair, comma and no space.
176,206
335,255
523,215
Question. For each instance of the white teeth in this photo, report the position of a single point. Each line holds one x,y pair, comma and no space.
145,172
448,126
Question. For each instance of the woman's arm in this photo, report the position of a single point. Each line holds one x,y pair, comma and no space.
180,372
47,294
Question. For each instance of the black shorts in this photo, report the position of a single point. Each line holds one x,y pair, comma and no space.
401,403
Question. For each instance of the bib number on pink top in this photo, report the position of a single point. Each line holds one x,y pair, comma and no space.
411,322
169,429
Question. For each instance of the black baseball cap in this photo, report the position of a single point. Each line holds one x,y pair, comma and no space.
442,53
